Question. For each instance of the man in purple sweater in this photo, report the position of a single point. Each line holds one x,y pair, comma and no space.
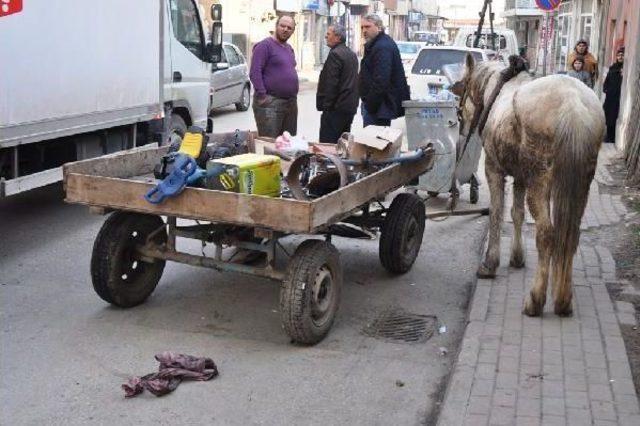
275,82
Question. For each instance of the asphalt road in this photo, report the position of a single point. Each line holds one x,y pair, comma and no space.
64,352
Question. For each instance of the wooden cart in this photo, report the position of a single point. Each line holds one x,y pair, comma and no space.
137,238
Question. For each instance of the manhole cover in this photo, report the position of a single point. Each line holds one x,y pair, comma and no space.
401,326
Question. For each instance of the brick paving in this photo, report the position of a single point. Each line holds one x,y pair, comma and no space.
517,370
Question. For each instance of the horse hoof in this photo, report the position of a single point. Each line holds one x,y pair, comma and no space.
516,262
486,272
563,309
533,308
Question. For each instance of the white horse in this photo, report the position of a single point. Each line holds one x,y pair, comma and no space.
546,133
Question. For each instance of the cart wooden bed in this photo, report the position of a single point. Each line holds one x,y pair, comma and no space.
137,238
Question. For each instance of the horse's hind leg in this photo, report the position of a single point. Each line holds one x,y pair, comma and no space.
517,214
495,179
538,201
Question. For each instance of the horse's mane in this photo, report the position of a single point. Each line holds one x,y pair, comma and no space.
483,71
482,74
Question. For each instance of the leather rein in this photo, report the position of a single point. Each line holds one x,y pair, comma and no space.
481,114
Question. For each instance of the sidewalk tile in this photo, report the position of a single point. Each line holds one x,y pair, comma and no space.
553,406
577,399
554,420
578,417
502,416
527,421
603,410
476,420
529,407
479,405
505,397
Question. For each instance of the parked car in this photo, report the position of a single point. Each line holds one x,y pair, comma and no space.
427,37
230,80
409,53
506,42
427,75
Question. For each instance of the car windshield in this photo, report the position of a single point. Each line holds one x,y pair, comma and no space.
427,37
431,61
485,41
408,48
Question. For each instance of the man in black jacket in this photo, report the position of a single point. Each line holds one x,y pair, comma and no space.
382,83
337,95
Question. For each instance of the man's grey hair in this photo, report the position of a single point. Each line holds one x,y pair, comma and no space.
375,20
340,31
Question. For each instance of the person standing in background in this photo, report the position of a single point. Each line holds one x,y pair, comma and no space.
590,61
577,71
337,95
612,87
382,83
275,81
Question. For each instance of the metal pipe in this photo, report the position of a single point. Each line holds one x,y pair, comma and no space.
207,262
482,212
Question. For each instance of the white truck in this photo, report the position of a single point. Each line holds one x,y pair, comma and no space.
84,78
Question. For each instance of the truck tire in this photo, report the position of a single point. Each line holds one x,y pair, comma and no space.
177,129
118,276
310,295
402,233
245,99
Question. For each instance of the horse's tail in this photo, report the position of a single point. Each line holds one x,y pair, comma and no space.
577,142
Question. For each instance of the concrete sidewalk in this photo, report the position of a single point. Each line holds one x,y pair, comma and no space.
516,370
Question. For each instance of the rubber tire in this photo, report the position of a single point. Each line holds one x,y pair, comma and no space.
406,210
296,292
241,106
112,259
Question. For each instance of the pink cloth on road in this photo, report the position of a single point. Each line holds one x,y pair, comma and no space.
173,369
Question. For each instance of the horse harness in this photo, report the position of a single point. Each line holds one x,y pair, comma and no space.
481,114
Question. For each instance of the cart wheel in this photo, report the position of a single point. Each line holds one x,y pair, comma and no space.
474,192
310,295
402,233
118,276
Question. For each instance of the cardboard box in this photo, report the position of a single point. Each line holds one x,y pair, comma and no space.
375,142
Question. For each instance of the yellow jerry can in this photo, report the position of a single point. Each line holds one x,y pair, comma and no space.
254,174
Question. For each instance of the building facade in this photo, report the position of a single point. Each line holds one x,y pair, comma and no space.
621,28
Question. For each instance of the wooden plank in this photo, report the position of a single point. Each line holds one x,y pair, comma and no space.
336,206
133,162
124,164
28,182
279,214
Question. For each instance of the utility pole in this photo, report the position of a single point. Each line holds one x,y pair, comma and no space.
483,12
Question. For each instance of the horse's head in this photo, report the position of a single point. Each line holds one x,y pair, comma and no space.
470,100
471,90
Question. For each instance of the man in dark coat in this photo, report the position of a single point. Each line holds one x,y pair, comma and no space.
382,82
612,87
337,95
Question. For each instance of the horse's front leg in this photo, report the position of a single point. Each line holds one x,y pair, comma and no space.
495,179
517,214
538,201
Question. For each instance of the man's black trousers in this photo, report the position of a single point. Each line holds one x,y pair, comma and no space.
333,124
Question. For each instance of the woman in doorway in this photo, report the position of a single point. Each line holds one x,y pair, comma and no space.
612,86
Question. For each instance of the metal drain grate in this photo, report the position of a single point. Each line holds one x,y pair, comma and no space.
401,326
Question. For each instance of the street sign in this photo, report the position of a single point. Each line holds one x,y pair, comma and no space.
8,7
548,5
